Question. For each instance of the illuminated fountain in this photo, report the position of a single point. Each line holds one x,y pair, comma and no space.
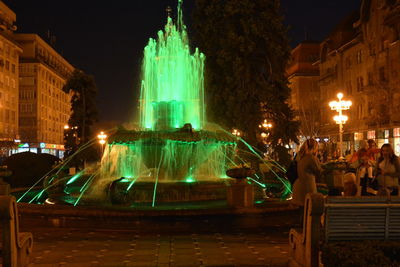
174,155
172,146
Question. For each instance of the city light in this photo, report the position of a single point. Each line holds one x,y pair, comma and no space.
265,124
236,132
340,119
102,140
66,127
102,137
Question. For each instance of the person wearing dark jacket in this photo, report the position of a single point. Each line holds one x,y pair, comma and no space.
388,172
309,170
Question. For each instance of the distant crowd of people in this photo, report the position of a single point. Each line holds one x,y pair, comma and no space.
372,171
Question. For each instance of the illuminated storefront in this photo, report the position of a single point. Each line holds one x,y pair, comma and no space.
53,149
396,141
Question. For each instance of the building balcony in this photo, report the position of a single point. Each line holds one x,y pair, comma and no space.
53,65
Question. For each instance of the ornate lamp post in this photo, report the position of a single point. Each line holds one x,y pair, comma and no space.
236,132
102,140
340,119
267,126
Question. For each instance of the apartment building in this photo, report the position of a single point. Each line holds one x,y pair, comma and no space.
44,109
10,51
361,59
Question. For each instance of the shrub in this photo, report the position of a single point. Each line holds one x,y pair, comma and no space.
27,168
361,253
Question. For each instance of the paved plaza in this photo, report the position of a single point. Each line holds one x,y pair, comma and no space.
251,240
72,247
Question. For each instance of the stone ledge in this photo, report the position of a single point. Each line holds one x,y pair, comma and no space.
126,212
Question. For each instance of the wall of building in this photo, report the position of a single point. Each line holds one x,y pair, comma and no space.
303,76
33,107
360,58
44,107
9,82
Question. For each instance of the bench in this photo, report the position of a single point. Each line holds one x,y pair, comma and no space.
16,246
342,219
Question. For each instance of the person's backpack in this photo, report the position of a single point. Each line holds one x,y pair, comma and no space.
291,172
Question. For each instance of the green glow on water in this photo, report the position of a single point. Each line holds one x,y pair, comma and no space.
37,196
190,180
169,160
127,179
74,178
257,182
130,185
156,182
172,91
85,187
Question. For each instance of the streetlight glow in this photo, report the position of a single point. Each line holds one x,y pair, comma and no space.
236,132
265,124
102,140
102,136
340,119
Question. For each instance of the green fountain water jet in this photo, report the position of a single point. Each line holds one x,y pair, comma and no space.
172,92
174,156
172,143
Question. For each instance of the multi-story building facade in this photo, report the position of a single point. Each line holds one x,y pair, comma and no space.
44,109
303,76
9,64
360,58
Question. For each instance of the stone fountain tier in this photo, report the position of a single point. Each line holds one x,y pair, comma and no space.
174,154
144,192
123,136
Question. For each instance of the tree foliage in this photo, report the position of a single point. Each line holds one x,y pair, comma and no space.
83,107
246,48
27,167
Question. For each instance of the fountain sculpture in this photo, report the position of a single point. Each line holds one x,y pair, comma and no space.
174,155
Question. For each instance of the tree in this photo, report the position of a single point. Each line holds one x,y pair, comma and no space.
246,48
83,107
308,115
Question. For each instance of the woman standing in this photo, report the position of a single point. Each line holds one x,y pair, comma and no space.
388,170
308,169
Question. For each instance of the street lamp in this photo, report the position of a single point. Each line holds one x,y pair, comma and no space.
102,140
340,119
265,124
236,132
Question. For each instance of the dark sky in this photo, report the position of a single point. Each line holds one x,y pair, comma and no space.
106,38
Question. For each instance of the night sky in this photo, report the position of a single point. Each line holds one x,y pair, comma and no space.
106,38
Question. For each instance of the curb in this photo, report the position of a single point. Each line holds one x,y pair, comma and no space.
124,212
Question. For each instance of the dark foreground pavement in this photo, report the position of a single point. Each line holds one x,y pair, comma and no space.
217,240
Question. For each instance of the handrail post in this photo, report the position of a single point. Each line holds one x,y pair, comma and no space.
313,228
